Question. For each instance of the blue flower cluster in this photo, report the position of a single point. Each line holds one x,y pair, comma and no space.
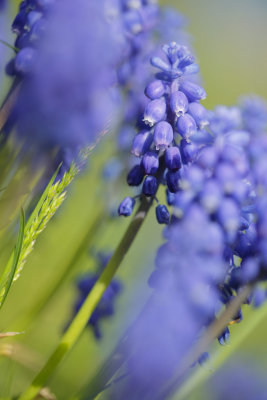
173,117
67,99
105,307
227,183
159,24
214,165
29,26
136,23
215,243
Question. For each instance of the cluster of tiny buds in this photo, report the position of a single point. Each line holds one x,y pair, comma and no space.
173,116
138,15
28,25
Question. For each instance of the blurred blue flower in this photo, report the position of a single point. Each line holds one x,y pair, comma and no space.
189,265
105,307
254,113
239,379
65,101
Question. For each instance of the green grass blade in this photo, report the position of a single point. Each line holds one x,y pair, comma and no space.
41,200
9,272
9,45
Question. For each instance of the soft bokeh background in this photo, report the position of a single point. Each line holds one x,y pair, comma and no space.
230,41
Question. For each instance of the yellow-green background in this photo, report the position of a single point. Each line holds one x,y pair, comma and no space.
230,41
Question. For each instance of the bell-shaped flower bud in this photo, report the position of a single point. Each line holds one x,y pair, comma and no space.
126,206
155,111
173,158
150,186
155,89
186,126
199,113
178,103
24,60
141,143
135,176
163,135
192,91
162,214
189,151
173,180
150,162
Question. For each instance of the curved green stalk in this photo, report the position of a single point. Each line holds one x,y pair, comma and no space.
46,297
9,103
15,49
207,339
78,324
200,375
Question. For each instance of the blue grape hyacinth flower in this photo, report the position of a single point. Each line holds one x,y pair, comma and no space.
174,117
66,99
105,307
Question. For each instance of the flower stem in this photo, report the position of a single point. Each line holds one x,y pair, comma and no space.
80,321
9,102
30,318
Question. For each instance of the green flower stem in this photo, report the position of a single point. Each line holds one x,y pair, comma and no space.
80,321
200,375
9,103
207,339
42,301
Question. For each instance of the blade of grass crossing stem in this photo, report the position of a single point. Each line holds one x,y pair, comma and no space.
80,321
8,274
9,45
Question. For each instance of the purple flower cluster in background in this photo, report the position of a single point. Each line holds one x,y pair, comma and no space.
105,307
29,25
188,268
66,100
214,165
155,26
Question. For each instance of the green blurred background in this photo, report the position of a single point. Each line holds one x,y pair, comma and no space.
230,42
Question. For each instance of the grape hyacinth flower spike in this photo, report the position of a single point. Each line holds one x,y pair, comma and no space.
105,307
174,117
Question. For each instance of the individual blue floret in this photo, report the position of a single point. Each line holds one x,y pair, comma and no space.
163,135
126,206
162,214
150,186
135,176
224,337
150,162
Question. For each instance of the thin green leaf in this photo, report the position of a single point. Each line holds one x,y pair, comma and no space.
41,200
9,45
9,272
